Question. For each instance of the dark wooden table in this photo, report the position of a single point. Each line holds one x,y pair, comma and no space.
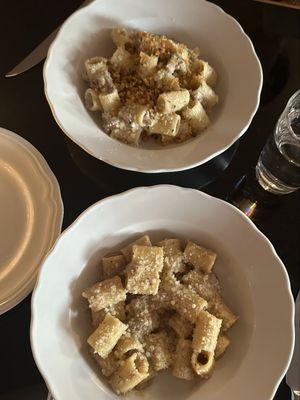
275,32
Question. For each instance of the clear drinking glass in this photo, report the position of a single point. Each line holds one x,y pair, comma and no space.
278,167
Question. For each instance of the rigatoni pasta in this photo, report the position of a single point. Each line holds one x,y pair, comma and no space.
173,256
148,64
143,273
142,241
106,336
181,326
107,365
113,265
95,67
116,310
158,348
130,136
166,124
126,344
201,258
166,78
120,37
206,285
222,344
182,366
205,94
222,311
173,101
206,332
203,363
187,303
205,337
130,373
122,59
110,102
142,316
196,117
105,293
92,100
205,71
157,307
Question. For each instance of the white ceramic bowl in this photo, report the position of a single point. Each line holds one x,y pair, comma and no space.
254,279
195,22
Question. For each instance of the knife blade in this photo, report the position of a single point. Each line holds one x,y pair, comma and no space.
38,54
35,57
285,3
293,373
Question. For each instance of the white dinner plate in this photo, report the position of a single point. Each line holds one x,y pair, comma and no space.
255,283
222,43
31,213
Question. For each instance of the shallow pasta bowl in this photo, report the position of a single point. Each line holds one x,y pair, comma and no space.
254,280
223,44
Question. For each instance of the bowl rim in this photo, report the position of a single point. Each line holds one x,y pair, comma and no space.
123,195
187,165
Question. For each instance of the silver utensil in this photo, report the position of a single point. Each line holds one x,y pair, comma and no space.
291,3
293,373
38,54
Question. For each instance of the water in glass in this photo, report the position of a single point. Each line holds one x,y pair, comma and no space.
278,167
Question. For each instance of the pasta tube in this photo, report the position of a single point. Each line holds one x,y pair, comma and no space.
122,59
142,275
126,135
201,258
206,332
110,102
167,124
107,365
203,363
222,345
173,101
94,66
105,293
158,350
120,37
182,367
205,94
133,371
202,68
106,336
222,311
148,64
112,266
181,326
116,310
187,303
92,101
204,342
196,117
142,241
126,344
